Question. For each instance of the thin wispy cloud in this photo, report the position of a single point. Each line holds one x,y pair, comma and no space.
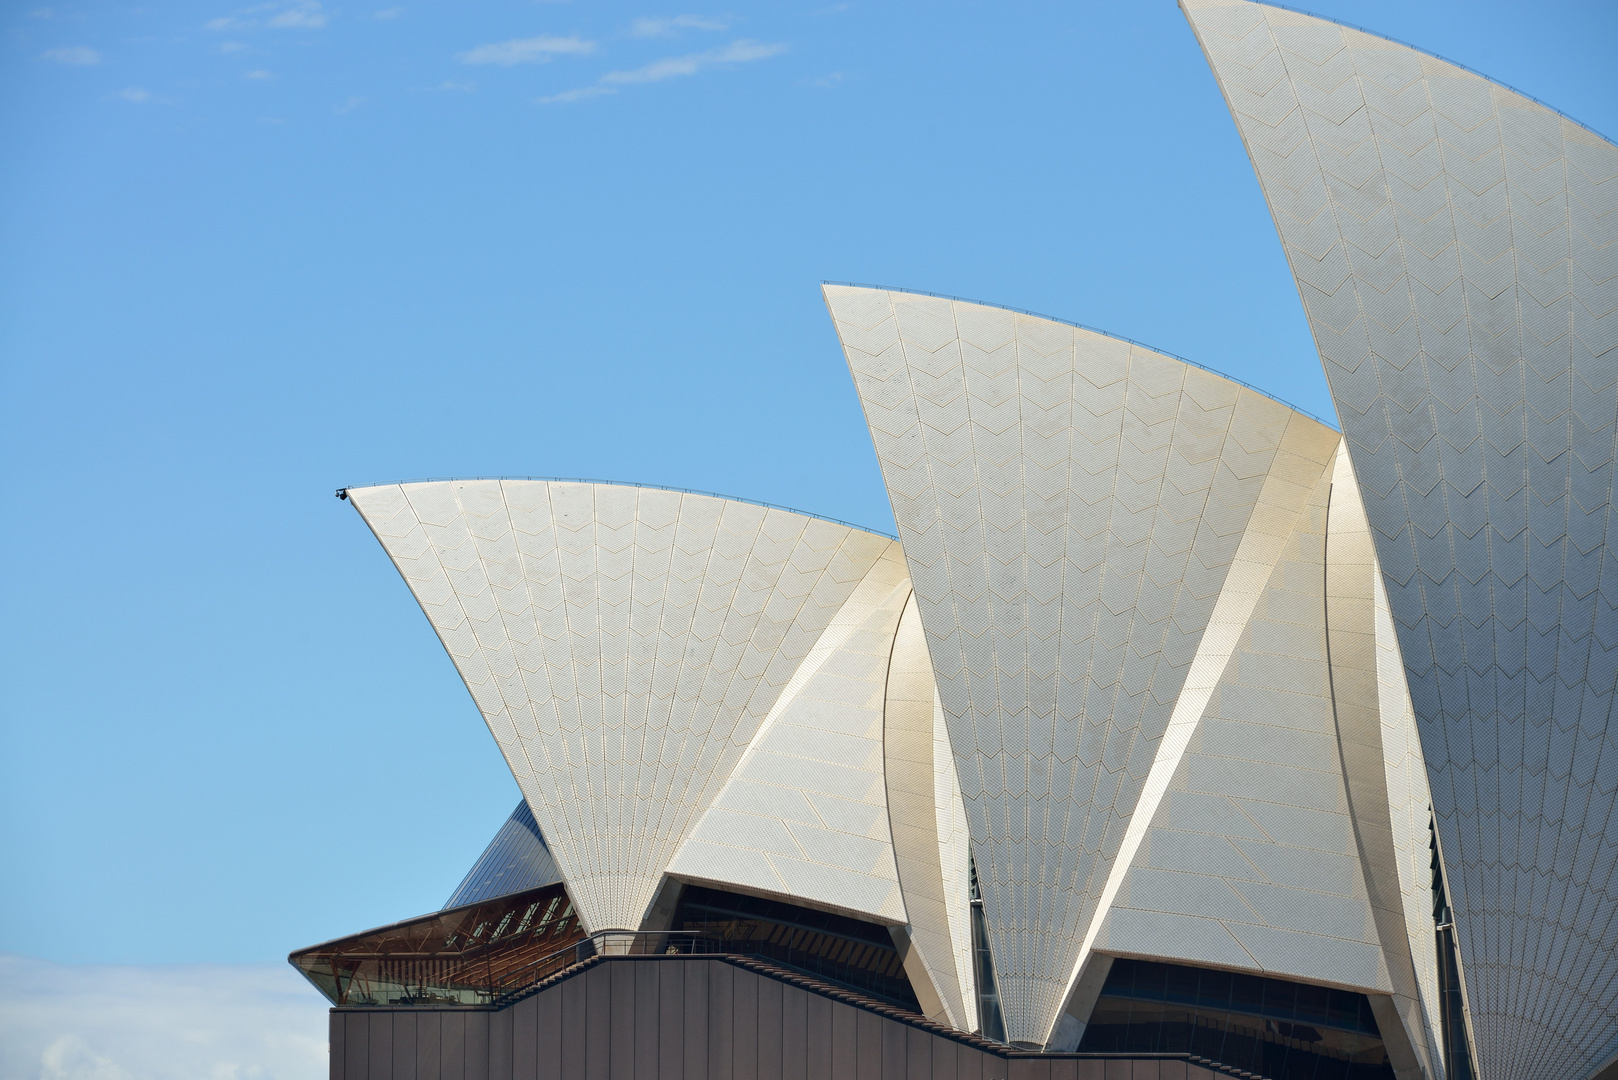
348,106
293,15
103,1022
670,27
534,50
72,55
577,94
387,13
737,52
257,75
135,94
305,16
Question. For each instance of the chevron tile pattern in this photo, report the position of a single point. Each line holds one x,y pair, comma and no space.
1274,849
1069,506
1256,831
1453,242
1293,477
623,644
804,814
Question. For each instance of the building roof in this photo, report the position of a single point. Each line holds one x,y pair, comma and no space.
1176,669
1452,241
1071,506
623,645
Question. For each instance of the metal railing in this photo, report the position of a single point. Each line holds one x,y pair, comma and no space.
837,966
608,943
482,980
488,976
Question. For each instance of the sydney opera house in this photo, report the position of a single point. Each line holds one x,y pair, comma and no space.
1178,734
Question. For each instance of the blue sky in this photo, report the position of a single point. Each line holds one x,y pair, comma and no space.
251,254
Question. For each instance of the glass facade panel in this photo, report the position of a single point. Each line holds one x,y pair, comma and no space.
1452,1006
991,1025
469,955
859,955
516,860
1273,1027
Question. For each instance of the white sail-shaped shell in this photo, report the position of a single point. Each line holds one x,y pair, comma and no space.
1454,245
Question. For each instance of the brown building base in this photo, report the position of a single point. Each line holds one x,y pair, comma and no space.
690,1018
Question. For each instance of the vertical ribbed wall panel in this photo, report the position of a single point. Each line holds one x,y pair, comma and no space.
671,1018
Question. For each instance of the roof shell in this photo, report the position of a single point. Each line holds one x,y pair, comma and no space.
1453,245
622,644
1070,505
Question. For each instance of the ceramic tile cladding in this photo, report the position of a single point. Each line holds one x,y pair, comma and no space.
1070,505
924,805
623,644
1292,479
1383,772
1272,850
1453,244
804,815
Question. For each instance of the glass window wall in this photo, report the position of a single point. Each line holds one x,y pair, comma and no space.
1275,1028
856,954
470,955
